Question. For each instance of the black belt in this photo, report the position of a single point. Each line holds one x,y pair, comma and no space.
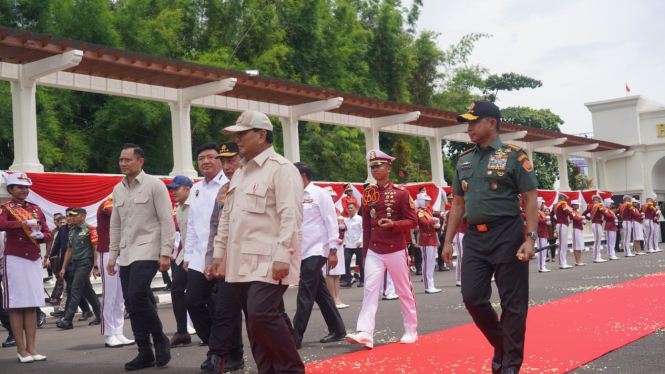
490,225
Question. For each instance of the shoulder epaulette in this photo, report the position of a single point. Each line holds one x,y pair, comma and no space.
398,187
465,152
513,147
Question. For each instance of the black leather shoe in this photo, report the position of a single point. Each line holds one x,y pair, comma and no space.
510,371
496,362
86,315
360,284
162,349
346,284
215,365
233,365
333,337
65,325
145,358
95,322
443,268
126,316
298,344
419,272
204,365
57,314
10,342
41,319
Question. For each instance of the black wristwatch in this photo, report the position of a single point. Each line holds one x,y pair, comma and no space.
532,234
333,250
96,267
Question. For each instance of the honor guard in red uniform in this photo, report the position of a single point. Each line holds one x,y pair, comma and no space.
388,211
427,239
651,224
560,215
624,212
22,281
638,233
543,221
347,199
578,232
459,244
594,214
113,302
611,229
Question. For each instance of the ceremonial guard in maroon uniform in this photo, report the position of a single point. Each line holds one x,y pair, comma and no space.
459,244
560,214
651,217
638,234
113,302
427,239
578,232
388,211
610,228
594,214
624,212
543,221
347,199
22,281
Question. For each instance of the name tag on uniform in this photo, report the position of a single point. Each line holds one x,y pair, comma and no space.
465,166
309,200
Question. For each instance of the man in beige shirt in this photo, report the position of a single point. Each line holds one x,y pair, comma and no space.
258,242
142,233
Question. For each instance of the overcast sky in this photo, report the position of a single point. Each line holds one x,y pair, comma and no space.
582,50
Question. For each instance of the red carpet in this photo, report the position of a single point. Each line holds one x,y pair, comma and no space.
561,336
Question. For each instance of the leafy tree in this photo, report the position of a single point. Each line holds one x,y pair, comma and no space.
507,82
573,174
403,169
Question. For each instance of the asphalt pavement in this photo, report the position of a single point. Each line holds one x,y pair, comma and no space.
82,350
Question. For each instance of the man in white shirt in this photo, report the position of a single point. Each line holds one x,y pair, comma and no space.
201,203
353,244
320,240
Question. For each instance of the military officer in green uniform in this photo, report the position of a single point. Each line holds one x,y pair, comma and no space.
488,178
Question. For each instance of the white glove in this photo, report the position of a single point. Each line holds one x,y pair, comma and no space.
584,221
437,225
341,226
37,235
616,221
587,216
31,222
549,223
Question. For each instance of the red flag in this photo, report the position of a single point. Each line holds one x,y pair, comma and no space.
627,88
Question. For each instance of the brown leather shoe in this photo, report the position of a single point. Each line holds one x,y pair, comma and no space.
181,339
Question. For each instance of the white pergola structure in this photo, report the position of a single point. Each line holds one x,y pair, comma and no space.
29,59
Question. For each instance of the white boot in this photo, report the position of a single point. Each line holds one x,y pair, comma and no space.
112,342
121,338
409,337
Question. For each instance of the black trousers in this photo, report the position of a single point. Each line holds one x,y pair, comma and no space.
226,332
135,280
4,313
312,289
494,252
348,253
166,278
81,288
178,287
198,299
268,328
83,303
417,254
618,241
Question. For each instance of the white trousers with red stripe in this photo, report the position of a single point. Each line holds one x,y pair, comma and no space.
611,238
429,262
375,266
627,231
112,298
651,241
459,238
597,229
542,242
563,243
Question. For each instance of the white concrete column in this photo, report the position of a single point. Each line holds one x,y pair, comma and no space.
436,158
24,109
26,156
593,174
602,175
562,160
182,140
291,138
371,142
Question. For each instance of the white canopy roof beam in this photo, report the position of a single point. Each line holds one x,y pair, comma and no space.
546,143
451,130
604,154
35,70
579,148
513,135
301,110
189,94
381,122
620,155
